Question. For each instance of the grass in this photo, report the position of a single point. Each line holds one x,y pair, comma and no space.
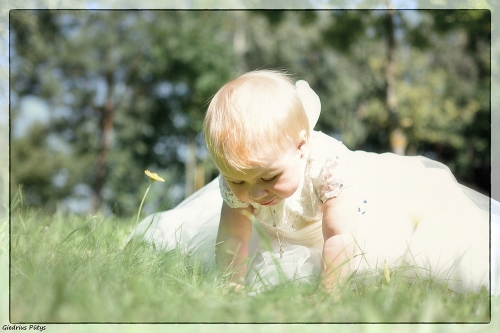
68,268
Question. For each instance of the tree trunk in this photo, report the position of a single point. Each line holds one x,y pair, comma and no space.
397,137
239,40
199,181
190,166
102,157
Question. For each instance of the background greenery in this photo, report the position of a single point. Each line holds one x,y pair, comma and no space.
126,91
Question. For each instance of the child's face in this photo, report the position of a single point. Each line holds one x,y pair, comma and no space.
270,184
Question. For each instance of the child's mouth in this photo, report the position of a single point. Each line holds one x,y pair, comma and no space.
268,202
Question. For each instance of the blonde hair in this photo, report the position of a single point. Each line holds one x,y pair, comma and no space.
252,118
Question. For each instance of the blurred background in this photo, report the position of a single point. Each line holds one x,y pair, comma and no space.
97,97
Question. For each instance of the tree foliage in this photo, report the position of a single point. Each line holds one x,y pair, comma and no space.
150,74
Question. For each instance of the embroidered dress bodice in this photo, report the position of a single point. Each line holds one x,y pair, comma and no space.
322,177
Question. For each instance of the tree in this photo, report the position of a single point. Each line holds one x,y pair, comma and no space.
441,89
148,70
134,98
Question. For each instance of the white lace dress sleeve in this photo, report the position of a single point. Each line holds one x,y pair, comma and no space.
330,172
228,196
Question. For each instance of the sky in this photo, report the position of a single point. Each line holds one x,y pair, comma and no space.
32,110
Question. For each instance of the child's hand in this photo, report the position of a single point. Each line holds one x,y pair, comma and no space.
234,287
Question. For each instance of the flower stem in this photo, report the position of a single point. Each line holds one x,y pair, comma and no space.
142,202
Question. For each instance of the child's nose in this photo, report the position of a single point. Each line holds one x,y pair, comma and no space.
256,193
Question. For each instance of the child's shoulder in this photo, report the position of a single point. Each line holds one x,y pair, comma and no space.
323,146
328,165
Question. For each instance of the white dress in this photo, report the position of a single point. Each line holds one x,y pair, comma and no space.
411,214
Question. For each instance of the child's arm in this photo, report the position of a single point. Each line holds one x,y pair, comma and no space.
233,237
338,234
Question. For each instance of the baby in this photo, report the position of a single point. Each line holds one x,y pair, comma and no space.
293,203
258,134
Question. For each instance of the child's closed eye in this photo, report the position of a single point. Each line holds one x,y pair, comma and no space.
269,179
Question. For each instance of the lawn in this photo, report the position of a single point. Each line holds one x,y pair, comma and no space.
66,268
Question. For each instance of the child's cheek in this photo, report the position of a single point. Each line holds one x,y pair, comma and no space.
240,194
286,187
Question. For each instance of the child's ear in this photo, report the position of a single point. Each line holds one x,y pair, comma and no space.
302,143
302,136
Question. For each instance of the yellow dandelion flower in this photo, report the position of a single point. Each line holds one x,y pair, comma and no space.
154,176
